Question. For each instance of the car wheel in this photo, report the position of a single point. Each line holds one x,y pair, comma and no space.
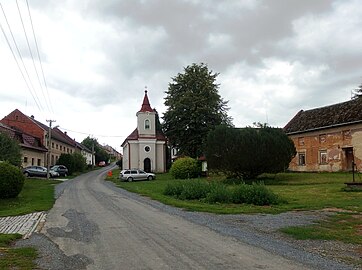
26,174
130,179
149,178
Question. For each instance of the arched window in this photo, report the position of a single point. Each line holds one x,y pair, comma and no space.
147,124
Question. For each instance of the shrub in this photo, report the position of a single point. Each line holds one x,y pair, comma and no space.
11,180
219,193
9,150
185,167
194,190
256,194
173,189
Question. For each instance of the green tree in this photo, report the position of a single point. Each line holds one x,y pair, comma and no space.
248,152
9,150
100,153
68,161
194,107
357,93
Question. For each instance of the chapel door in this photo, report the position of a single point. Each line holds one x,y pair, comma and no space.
147,165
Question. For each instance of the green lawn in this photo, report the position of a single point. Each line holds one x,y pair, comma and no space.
302,191
36,195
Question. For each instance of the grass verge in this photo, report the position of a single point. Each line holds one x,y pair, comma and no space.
36,195
15,258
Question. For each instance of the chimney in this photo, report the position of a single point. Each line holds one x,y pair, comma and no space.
65,132
32,116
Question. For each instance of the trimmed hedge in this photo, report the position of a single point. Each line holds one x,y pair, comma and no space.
11,180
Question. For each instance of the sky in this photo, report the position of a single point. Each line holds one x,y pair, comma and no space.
274,58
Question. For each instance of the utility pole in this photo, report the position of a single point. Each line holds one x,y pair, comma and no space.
92,154
49,145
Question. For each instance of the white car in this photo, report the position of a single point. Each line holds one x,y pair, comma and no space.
135,174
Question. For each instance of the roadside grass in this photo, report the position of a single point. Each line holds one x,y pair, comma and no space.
301,191
36,195
15,258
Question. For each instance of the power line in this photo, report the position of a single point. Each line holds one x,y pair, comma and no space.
103,136
40,62
31,54
34,95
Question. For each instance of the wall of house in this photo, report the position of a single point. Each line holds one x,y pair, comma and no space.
328,150
143,154
58,148
31,157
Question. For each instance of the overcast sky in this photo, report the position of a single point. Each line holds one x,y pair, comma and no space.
275,57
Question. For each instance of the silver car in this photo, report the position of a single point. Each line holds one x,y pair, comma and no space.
135,174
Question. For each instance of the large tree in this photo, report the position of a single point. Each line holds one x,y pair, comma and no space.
9,150
248,152
194,107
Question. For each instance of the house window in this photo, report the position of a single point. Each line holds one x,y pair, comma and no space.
25,159
39,162
56,146
147,148
301,159
60,148
322,138
52,145
147,124
301,141
32,161
323,157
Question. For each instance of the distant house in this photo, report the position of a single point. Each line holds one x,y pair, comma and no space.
145,147
327,138
32,150
86,153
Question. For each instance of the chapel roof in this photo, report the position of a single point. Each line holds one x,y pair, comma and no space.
349,112
146,107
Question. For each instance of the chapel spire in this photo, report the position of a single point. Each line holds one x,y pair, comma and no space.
146,107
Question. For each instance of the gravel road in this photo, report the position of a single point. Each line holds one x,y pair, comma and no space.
95,225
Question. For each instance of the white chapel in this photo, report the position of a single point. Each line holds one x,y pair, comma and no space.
145,147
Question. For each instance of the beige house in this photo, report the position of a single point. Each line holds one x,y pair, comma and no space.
32,151
145,147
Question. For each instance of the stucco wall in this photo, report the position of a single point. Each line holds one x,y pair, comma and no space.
334,142
141,118
32,157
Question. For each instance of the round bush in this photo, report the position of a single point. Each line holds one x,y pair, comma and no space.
184,168
11,180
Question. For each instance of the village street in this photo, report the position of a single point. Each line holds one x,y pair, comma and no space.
98,226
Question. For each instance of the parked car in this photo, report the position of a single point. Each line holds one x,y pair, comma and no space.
135,174
38,171
61,169
102,163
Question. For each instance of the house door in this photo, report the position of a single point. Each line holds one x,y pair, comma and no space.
349,158
147,165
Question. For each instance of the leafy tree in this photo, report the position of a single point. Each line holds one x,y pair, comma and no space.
9,150
357,92
74,162
194,107
248,152
100,153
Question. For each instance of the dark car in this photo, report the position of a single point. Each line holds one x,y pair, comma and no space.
61,169
38,171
